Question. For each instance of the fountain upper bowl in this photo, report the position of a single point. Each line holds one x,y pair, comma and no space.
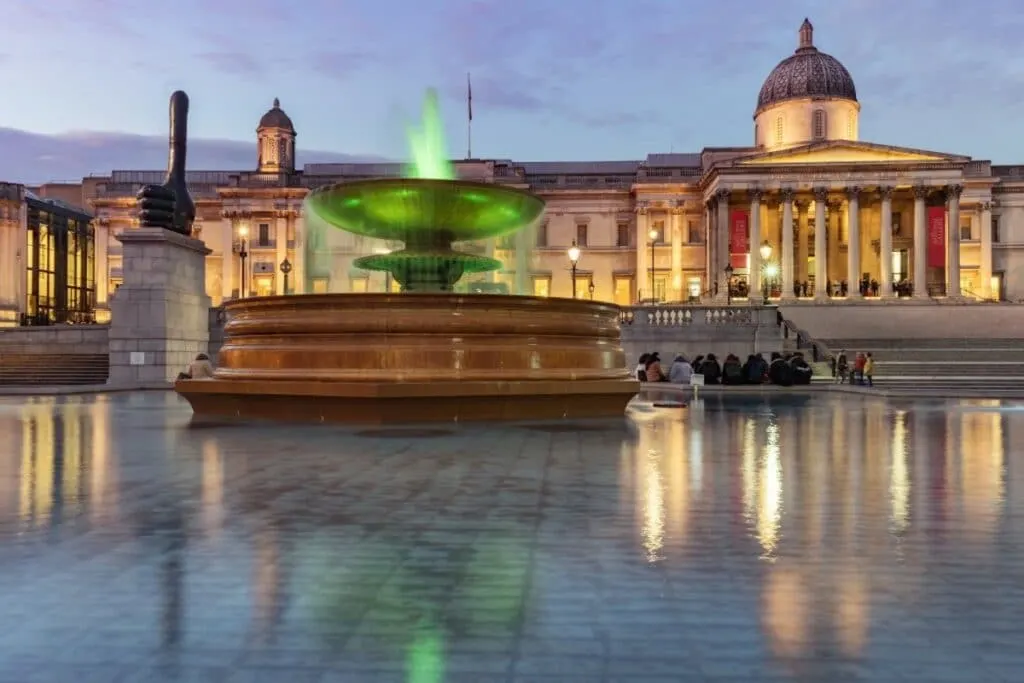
402,208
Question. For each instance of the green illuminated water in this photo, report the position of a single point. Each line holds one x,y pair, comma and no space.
427,144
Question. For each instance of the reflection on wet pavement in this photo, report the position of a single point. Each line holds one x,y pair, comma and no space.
834,539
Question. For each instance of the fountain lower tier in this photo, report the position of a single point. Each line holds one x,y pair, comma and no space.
381,358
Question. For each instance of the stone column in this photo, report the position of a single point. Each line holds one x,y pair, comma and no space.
160,317
832,237
920,244
227,261
755,274
803,241
299,275
885,244
820,244
643,250
953,242
723,253
675,217
710,272
853,268
985,235
280,251
787,245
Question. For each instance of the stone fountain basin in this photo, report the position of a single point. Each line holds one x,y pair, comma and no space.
380,358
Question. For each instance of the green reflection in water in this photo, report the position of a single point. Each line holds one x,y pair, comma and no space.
424,662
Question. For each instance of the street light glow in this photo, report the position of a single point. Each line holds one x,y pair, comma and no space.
771,270
574,253
653,234
766,250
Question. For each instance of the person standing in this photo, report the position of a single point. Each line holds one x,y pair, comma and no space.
869,370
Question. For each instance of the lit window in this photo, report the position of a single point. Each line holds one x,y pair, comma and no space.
819,124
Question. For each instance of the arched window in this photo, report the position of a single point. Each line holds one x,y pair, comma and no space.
851,126
778,130
757,136
818,125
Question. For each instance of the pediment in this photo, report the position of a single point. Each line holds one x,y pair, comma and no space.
847,153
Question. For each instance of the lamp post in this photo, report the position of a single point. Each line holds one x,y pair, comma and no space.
243,232
574,257
590,288
653,234
728,283
766,253
286,267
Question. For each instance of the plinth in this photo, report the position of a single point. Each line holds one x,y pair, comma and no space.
382,358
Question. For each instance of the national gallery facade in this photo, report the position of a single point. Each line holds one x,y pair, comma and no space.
807,212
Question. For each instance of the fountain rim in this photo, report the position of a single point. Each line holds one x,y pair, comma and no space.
457,299
325,189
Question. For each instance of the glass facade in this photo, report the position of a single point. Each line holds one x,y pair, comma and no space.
60,264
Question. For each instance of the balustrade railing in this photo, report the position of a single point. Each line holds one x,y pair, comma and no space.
691,315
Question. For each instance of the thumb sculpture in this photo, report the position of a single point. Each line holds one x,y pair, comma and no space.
169,206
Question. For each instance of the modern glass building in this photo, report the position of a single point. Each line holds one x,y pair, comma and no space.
60,263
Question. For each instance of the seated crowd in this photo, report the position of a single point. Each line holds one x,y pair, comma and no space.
783,370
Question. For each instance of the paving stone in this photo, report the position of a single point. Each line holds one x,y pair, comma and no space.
747,539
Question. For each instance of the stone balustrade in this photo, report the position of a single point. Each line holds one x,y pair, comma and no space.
700,329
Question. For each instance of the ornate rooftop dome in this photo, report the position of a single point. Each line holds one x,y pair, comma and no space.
276,118
807,73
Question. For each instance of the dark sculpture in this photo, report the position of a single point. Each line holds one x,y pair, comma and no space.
169,206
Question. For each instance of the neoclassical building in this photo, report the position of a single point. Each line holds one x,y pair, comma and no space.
807,211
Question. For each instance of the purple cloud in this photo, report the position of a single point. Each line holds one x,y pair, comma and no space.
32,158
237,63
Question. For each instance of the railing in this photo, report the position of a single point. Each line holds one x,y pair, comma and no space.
683,315
819,351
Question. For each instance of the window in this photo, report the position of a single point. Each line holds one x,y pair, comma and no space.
965,228
757,136
542,235
819,125
622,234
583,286
60,265
263,235
581,234
995,229
623,294
320,285
542,285
357,285
659,227
896,222
694,231
778,130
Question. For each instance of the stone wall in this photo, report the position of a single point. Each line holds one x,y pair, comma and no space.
69,339
699,330
909,320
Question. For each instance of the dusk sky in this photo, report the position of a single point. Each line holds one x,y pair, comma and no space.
552,79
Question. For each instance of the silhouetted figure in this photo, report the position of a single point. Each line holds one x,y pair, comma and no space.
169,206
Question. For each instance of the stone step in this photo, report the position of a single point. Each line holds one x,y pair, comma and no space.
952,369
49,369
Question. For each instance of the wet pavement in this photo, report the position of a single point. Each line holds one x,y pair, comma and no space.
831,538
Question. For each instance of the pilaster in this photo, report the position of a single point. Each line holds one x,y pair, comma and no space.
920,243
820,244
853,265
788,279
985,235
953,193
885,244
675,217
724,253
755,275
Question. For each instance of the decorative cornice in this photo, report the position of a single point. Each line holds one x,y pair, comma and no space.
985,206
722,195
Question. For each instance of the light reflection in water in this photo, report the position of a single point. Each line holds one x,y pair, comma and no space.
749,471
899,480
654,507
769,515
212,488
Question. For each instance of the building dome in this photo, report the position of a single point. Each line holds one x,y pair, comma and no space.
807,73
276,118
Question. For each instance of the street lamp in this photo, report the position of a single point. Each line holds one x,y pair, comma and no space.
766,253
728,283
771,272
243,232
574,257
590,288
286,267
653,234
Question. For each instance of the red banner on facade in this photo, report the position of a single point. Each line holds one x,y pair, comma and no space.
739,238
936,237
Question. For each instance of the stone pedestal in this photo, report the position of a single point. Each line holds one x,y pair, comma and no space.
160,314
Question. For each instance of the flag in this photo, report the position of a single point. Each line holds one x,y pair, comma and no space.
469,97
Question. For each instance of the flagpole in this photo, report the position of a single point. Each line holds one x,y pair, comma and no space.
469,122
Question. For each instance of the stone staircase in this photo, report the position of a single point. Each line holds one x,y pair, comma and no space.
53,369
989,366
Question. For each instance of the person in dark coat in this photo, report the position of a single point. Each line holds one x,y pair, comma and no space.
732,371
801,371
711,370
779,371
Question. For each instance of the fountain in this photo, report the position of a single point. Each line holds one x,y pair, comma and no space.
426,354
